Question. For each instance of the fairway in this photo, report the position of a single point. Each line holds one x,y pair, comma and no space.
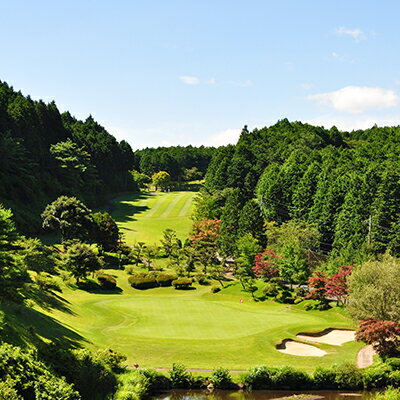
158,327
144,216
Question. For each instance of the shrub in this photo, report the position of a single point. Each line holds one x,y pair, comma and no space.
182,283
390,394
258,378
157,382
290,378
348,376
215,289
180,378
202,280
7,390
111,358
376,377
142,281
324,378
165,279
394,378
270,289
393,362
46,282
221,379
49,388
107,281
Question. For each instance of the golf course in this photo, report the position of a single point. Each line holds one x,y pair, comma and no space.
201,329
144,216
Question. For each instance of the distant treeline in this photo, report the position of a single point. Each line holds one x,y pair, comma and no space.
183,163
347,184
44,154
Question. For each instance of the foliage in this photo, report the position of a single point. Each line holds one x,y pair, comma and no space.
46,282
35,256
266,264
106,233
170,242
374,288
221,379
180,378
182,283
70,216
384,336
161,179
107,281
81,259
148,280
336,286
111,358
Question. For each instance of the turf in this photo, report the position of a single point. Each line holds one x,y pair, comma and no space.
158,327
144,217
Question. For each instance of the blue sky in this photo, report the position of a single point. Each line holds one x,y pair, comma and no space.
170,72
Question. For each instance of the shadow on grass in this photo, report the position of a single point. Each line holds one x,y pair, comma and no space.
91,286
24,325
124,211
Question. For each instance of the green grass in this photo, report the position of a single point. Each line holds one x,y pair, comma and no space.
144,217
202,330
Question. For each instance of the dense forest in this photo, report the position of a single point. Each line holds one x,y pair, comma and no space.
344,184
44,154
182,163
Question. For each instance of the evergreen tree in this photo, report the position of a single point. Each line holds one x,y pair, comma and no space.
251,221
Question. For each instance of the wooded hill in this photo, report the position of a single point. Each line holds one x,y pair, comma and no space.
44,154
347,184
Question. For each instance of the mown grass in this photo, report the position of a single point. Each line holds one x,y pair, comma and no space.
144,216
158,327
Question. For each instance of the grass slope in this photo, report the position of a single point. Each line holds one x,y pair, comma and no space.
144,217
202,330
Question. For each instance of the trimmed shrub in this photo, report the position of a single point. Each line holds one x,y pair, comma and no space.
182,283
165,279
180,378
202,280
143,281
215,289
221,379
107,281
258,378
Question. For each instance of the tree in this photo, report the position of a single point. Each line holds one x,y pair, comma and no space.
106,231
266,264
336,286
35,255
137,252
251,221
161,179
374,289
170,241
70,216
81,259
317,289
141,179
247,249
384,336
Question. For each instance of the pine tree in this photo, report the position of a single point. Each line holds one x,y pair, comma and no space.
251,221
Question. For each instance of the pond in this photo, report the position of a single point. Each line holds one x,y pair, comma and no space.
262,395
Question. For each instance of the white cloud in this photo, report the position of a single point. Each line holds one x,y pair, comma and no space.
210,81
357,99
228,136
356,34
349,124
190,80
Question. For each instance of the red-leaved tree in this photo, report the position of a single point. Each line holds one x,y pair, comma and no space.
336,285
316,287
384,336
266,264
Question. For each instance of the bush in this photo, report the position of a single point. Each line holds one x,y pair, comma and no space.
394,378
221,379
290,378
202,280
215,289
165,279
258,378
393,362
324,378
180,378
107,281
7,390
390,394
111,358
376,377
270,289
182,283
143,281
348,376
46,282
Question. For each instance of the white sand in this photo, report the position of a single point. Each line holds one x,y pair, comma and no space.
335,337
301,349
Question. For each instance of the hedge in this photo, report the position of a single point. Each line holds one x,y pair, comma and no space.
182,283
107,281
148,280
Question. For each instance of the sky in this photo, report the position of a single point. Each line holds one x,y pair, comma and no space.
169,72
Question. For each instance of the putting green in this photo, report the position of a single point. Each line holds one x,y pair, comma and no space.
161,326
144,217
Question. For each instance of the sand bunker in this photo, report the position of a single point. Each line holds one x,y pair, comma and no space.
335,337
289,346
